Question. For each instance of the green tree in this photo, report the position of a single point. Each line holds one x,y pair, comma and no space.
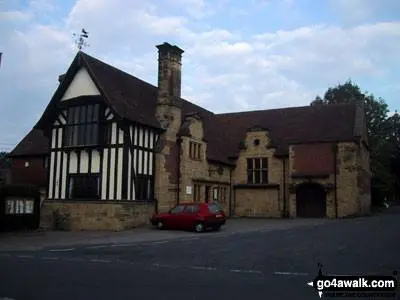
3,155
392,148
380,134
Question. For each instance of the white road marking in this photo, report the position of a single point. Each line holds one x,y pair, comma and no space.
49,258
245,271
203,268
291,273
159,242
98,247
62,250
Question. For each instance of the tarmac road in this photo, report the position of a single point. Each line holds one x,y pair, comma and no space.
272,264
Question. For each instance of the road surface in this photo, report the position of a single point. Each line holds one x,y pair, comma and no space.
261,264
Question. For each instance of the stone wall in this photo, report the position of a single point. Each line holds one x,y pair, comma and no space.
347,191
294,182
330,195
352,182
354,179
257,202
275,167
264,201
200,171
165,187
94,215
364,179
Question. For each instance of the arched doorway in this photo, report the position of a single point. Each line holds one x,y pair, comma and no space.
310,201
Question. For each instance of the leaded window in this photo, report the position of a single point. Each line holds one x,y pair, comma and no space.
82,128
257,170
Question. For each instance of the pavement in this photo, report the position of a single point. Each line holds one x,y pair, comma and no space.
36,240
272,259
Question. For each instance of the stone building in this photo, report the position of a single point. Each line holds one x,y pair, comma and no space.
120,149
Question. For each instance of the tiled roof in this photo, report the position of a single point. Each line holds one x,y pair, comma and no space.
129,96
34,143
134,99
320,123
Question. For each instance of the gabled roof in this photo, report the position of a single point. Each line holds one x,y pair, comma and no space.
134,99
129,97
33,144
294,125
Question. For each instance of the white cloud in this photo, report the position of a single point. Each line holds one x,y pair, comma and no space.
222,49
15,16
361,10
223,69
42,6
160,26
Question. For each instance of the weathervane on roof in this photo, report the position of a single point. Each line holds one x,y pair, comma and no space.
81,39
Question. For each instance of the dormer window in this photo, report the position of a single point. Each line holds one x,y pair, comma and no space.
82,128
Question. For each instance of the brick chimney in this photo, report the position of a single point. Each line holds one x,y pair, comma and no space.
169,104
169,72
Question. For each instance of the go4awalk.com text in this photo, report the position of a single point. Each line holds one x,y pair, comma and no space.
355,286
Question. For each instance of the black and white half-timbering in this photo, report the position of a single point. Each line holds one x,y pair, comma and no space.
94,153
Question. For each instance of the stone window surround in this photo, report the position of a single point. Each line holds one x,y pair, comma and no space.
196,192
257,166
195,150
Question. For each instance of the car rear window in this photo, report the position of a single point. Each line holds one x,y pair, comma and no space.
214,208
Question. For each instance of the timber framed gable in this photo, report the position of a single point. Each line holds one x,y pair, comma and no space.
92,146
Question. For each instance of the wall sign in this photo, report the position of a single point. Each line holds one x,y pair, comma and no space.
189,190
19,207
215,192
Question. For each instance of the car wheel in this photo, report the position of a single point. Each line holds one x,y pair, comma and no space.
160,224
199,227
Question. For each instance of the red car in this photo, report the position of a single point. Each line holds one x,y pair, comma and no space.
191,216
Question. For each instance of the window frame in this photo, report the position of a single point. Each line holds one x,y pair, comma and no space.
195,150
144,187
257,170
196,192
84,125
71,189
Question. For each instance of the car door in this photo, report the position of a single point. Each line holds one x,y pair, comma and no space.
174,218
189,216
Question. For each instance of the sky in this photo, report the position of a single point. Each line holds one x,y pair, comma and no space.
239,54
